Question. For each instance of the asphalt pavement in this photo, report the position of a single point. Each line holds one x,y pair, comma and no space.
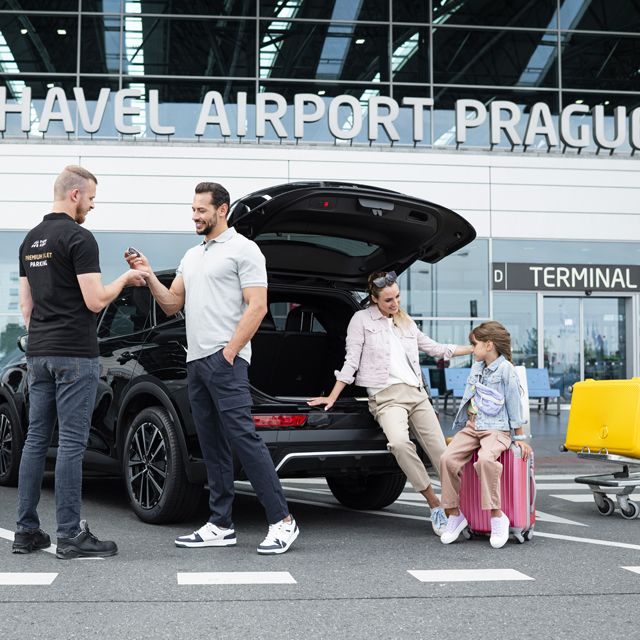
349,575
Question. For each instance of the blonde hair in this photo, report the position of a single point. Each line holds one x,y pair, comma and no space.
497,333
72,177
402,317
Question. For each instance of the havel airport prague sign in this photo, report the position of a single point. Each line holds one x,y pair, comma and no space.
344,116
520,276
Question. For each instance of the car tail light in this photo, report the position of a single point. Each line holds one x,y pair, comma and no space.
279,421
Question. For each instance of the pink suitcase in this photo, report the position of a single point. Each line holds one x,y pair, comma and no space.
517,492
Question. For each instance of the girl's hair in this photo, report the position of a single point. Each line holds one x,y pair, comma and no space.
402,316
495,332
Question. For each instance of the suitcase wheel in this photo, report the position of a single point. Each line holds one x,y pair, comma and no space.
604,504
466,533
528,535
519,537
631,512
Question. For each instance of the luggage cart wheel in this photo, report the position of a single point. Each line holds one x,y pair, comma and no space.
528,535
605,504
631,512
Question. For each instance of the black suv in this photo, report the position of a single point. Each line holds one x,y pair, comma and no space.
321,240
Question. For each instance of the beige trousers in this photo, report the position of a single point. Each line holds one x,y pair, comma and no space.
400,410
489,444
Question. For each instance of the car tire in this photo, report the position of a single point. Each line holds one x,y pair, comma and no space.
157,484
11,443
367,492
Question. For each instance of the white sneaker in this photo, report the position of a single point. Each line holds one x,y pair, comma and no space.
208,535
438,520
455,526
499,531
279,537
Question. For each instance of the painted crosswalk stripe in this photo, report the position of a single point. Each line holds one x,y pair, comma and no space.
580,497
236,577
632,569
559,486
27,579
468,575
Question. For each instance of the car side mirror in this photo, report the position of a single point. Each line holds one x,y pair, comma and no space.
22,342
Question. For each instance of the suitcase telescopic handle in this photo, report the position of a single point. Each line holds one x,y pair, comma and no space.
534,491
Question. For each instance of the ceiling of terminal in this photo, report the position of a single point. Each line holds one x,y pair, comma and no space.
443,48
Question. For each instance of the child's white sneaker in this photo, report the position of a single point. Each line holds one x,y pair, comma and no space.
499,531
455,526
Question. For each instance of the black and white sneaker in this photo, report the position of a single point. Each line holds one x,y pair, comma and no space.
208,535
279,537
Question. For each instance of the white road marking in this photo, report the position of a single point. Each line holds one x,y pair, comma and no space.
541,516
8,535
582,497
469,575
633,569
27,579
236,577
604,543
339,507
556,486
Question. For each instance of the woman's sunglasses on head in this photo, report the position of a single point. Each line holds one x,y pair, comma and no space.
385,280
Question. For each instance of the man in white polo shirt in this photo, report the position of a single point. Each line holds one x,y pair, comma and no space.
222,284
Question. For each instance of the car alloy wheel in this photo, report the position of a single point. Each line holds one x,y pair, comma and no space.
157,483
10,447
147,464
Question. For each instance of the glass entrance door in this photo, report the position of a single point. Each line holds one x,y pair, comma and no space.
584,338
605,338
562,342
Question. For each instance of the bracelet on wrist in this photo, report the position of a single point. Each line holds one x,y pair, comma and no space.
521,438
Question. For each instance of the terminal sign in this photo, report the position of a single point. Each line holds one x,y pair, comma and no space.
520,276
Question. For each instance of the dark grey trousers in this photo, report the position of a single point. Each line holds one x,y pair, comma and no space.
221,407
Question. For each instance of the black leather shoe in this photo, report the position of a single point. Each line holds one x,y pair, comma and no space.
85,545
26,542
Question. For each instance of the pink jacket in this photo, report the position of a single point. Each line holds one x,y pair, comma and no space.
368,348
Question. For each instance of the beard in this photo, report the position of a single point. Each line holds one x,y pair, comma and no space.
205,231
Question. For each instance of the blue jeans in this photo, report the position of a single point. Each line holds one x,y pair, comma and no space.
221,407
65,388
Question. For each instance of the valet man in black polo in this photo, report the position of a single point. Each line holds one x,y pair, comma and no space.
61,291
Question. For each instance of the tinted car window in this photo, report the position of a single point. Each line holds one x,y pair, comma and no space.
127,314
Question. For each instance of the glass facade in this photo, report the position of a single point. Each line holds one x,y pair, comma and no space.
176,52
558,52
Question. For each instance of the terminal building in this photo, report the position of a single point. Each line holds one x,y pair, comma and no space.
521,115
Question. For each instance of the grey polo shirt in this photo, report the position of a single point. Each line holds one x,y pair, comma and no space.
214,275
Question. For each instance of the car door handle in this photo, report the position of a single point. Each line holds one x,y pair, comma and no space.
125,357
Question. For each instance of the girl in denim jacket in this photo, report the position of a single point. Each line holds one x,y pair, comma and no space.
382,355
489,415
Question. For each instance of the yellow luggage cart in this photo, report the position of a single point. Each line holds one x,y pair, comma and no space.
604,426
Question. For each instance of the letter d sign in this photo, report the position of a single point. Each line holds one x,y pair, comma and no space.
499,280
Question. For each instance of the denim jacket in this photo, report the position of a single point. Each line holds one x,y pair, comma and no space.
501,376
368,349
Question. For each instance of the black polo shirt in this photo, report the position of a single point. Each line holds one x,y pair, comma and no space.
52,255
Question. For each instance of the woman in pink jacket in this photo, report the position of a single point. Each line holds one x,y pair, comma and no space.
382,355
